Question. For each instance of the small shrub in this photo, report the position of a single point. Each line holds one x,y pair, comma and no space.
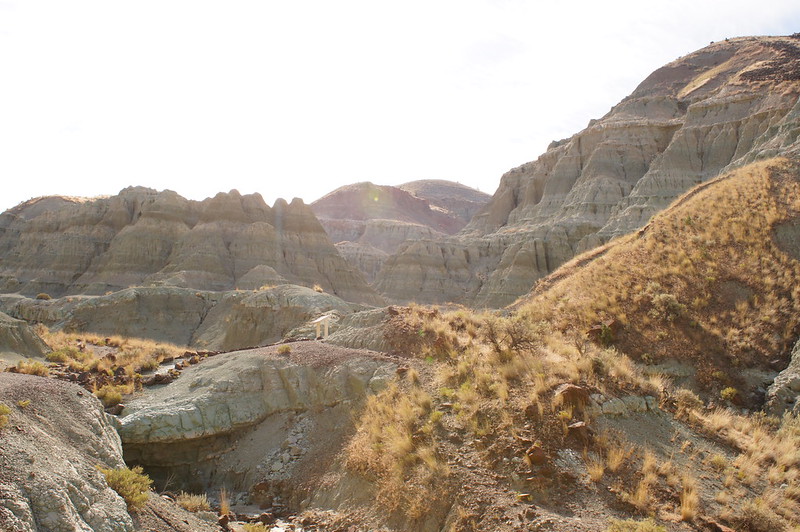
4,412
193,502
630,525
111,394
132,485
284,349
43,296
729,394
23,403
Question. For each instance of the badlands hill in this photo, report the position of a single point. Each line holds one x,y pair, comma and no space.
730,103
141,237
368,222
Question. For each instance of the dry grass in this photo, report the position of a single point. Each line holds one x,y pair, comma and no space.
709,286
224,502
193,502
77,351
111,394
690,499
31,367
4,412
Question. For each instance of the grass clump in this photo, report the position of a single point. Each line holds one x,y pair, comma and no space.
284,349
43,296
111,394
32,367
193,502
133,485
4,412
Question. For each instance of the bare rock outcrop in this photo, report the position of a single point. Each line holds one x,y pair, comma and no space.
219,423
718,108
18,340
142,237
250,319
49,452
783,394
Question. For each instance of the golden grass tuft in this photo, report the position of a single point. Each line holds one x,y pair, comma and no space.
690,499
32,367
4,412
193,502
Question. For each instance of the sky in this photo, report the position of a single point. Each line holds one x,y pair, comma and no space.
294,99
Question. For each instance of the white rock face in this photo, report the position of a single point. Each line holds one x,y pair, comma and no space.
48,456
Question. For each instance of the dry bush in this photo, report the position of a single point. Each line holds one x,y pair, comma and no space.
193,502
133,485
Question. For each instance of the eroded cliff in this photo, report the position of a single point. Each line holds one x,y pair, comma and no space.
723,106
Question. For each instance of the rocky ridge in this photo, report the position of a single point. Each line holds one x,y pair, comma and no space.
720,107
142,237
199,319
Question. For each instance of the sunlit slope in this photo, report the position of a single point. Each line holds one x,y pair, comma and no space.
715,278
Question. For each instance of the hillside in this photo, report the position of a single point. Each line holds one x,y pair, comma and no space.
730,103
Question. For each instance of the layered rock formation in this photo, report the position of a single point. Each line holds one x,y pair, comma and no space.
224,421
143,237
18,341
368,221
723,106
200,319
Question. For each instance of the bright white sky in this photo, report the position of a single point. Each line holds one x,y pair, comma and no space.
297,98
